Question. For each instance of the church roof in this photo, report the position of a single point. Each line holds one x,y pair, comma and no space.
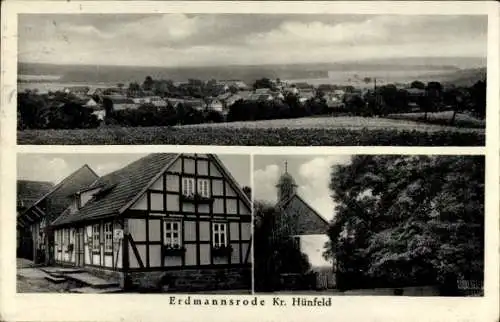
286,179
309,222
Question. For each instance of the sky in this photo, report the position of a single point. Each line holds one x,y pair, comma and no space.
243,39
55,167
312,175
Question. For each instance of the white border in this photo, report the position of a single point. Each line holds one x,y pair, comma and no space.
126,307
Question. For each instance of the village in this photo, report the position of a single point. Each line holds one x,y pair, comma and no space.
209,96
158,102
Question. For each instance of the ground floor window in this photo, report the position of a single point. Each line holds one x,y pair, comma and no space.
108,237
219,234
172,234
95,238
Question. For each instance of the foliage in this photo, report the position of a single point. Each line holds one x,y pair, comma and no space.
263,83
275,251
407,220
417,84
52,111
251,137
148,83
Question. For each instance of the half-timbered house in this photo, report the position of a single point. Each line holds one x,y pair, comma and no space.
176,221
36,236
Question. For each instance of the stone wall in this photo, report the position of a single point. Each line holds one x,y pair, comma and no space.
192,280
107,274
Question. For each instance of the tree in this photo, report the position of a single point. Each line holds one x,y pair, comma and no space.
248,192
263,83
417,84
407,220
275,250
478,97
148,83
33,110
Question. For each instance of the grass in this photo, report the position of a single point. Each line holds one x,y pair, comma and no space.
442,118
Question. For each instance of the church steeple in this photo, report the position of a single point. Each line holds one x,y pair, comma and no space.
286,185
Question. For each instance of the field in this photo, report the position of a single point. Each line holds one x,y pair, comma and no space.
443,118
332,131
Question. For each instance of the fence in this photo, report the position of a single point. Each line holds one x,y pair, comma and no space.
471,287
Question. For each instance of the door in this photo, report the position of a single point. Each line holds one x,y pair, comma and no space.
79,250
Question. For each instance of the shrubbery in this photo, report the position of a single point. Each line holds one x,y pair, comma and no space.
60,112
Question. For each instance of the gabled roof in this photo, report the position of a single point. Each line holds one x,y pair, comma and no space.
60,196
121,187
309,222
28,192
232,181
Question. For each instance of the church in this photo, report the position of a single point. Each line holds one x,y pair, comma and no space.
295,219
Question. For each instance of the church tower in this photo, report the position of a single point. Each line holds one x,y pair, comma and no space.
286,185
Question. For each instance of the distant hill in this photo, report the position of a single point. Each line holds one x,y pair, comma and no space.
126,74
466,77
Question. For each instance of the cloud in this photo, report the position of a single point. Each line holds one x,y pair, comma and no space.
315,175
292,33
264,181
215,39
41,168
105,168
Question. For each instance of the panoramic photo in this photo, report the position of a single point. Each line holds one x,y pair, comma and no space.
406,225
252,79
135,223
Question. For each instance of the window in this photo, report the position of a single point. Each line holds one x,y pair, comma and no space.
203,188
95,238
108,237
172,234
63,237
296,242
187,186
219,234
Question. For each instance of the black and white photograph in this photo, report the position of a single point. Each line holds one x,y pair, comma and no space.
252,79
393,225
137,223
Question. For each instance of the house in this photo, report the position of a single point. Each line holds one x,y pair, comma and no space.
235,83
121,102
213,104
261,91
334,102
153,100
77,90
91,103
34,222
28,192
176,221
228,99
256,97
305,226
96,91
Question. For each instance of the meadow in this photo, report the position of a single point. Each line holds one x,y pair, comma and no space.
338,131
